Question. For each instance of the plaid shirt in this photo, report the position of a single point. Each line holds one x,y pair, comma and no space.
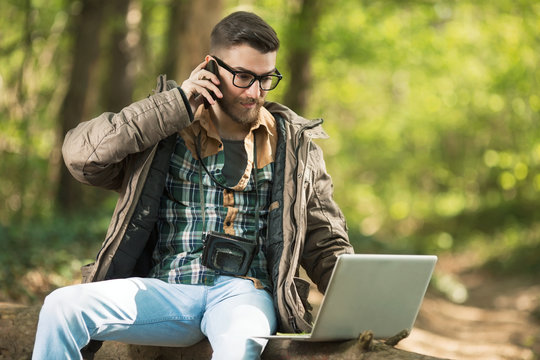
179,248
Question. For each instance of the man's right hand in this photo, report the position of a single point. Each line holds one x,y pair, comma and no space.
199,84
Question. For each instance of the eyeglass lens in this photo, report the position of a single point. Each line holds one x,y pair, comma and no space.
242,79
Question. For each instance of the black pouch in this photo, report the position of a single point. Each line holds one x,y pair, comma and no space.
228,254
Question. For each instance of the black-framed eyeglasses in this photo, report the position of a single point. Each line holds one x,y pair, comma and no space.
244,79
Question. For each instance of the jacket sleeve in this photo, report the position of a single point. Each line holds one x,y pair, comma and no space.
326,236
94,151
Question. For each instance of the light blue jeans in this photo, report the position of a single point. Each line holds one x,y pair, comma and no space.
149,311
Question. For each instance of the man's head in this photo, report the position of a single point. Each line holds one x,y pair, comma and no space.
244,28
244,44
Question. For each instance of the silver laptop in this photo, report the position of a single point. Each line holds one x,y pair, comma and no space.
381,293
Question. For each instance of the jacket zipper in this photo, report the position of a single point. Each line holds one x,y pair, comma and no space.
299,138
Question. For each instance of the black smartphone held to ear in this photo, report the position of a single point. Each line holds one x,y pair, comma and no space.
212,66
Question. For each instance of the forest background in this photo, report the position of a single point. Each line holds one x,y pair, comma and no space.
432,108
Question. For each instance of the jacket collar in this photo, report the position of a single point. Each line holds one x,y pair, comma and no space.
311,128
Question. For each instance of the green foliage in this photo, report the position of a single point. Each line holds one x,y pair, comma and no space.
433,114
39,255
32,62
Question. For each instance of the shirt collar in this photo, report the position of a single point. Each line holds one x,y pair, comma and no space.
264,129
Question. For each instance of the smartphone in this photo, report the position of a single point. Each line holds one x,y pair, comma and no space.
212,66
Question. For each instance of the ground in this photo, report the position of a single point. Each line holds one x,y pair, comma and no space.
499,320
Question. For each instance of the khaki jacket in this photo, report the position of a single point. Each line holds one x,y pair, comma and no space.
129,152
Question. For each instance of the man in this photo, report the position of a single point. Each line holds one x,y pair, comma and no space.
222,198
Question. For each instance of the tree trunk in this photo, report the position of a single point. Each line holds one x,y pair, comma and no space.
25,110
188,38
18,329
123,35
301,42
85,54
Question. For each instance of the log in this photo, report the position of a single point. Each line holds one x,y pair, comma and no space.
18,326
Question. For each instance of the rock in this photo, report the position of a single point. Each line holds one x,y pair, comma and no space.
18,327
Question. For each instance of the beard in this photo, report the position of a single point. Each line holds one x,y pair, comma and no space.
234,109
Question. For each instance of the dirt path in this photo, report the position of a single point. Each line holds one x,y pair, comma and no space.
497,321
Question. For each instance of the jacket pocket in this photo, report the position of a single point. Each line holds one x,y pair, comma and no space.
302,289
87,271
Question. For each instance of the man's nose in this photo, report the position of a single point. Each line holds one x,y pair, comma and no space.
254,90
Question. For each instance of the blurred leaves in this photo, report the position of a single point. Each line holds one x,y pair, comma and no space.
43,254
433,114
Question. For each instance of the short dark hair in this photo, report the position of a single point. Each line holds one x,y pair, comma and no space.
244,27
